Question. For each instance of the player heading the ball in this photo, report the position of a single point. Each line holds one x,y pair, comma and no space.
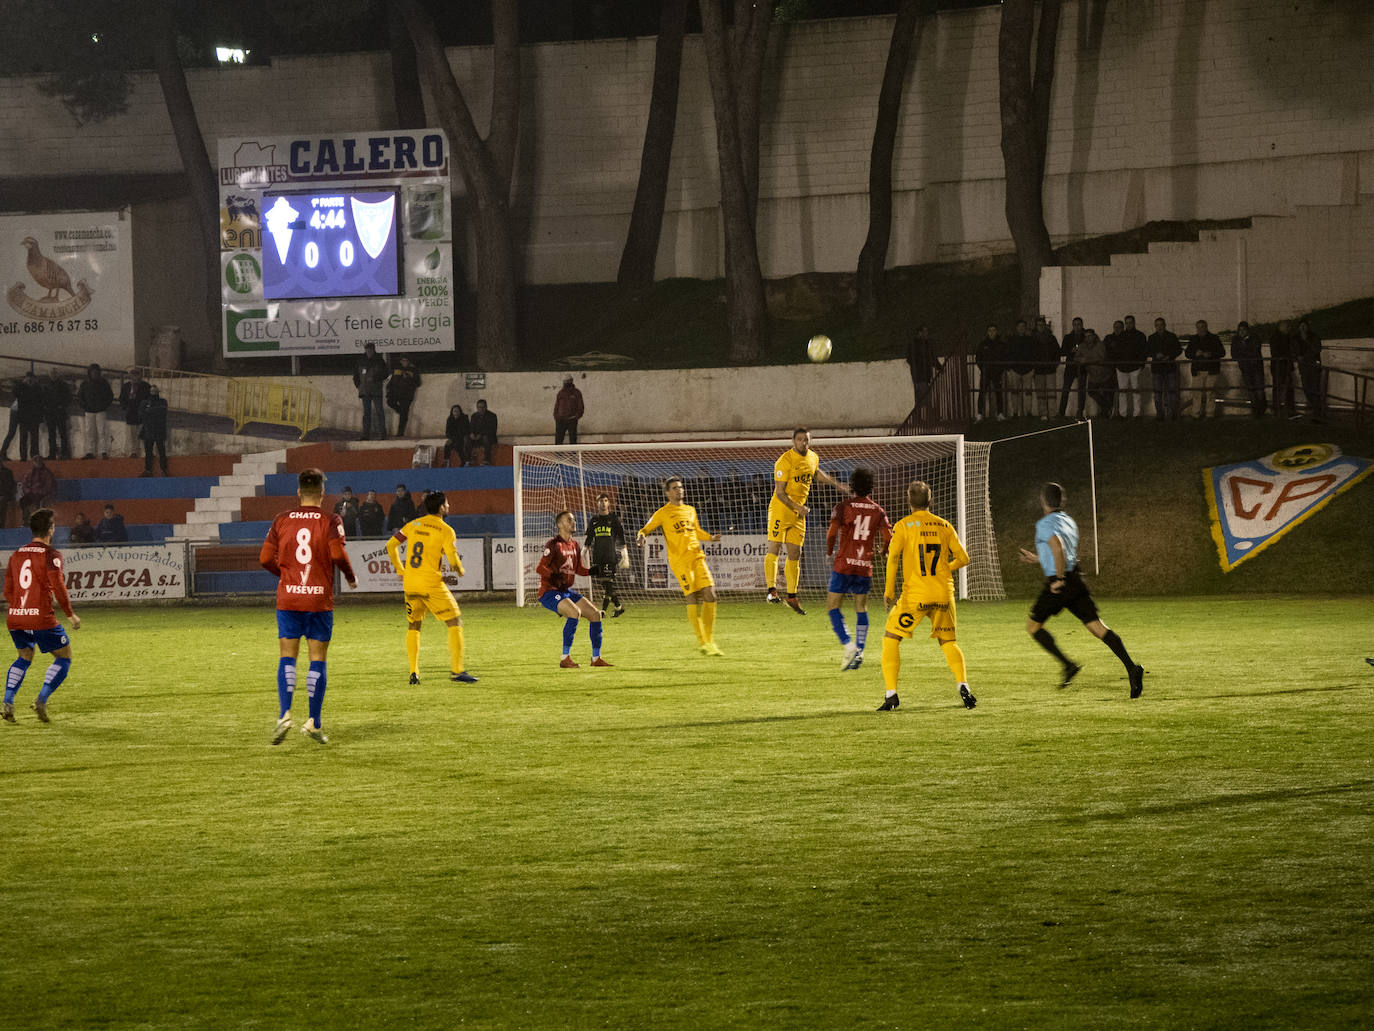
32,578
682,537
928,551
429,540
560,564
855,525
792,476
302,549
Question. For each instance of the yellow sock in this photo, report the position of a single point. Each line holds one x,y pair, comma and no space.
892,662
770,571
708,621
792,570
954,659
694,617
455,648
413,649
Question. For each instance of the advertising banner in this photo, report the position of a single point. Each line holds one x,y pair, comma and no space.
1255,503
330,243
69,286
735,561
373,569
125,572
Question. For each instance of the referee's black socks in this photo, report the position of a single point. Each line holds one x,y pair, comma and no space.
1112,641
1045,640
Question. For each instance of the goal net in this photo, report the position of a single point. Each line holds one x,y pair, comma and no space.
729,483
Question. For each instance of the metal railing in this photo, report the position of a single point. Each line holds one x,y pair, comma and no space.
282,404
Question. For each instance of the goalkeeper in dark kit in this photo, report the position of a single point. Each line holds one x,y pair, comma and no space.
606,543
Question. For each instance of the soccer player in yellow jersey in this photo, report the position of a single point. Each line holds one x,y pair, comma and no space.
682,536
929,552
428,540
792,476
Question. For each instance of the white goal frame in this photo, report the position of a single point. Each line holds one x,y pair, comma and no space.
960,518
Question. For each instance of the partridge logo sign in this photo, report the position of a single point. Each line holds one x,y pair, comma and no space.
1255,503
59,298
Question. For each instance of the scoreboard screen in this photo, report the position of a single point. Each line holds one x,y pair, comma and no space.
330,243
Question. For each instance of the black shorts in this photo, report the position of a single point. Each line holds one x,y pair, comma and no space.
604,570
1073,595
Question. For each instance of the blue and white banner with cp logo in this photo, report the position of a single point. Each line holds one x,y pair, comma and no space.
1255,503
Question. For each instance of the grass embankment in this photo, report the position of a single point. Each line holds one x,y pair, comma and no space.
1155,535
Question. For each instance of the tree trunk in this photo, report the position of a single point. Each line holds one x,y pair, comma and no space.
873,258
646,221
405,74
195,160
745,299
1025,106
488,191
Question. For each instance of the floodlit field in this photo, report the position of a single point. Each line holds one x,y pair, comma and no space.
691,842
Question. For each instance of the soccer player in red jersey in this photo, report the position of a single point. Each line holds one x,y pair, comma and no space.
33,576
561,561
302,549
855,524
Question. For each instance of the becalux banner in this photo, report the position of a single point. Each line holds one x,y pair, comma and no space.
1255,503
69,285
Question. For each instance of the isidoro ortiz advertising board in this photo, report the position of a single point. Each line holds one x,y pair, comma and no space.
330,243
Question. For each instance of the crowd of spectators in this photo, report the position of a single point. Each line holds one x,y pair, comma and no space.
1019,375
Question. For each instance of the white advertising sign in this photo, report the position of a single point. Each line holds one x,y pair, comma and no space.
125,572
735,561
69,286
331,243
373,569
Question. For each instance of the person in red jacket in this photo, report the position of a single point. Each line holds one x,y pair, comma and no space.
302,549
560,563
567,409
32,578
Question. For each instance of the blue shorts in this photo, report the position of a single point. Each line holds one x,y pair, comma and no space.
313,626
846,583
44,640
550,599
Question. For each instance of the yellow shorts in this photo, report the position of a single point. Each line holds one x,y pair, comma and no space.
908,612
785,525
437,601
695,576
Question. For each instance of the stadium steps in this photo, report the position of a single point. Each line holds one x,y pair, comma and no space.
224,502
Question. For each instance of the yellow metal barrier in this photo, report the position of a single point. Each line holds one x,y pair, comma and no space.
282,404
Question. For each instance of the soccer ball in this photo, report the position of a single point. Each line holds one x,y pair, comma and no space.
818,348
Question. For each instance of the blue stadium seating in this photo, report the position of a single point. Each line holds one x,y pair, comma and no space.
463,525
139,533
106,488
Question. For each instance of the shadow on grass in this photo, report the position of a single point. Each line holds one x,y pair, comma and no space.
1217,801
1285,690
832,714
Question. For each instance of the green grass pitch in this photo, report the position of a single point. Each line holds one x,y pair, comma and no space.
698,843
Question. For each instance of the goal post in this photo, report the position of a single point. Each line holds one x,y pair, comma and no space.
729,483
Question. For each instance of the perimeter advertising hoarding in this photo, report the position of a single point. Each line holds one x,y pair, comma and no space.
372,567
124,572
351,233
69,286
736,563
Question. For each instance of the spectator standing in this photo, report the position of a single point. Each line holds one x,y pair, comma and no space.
28,392
920,359
57,404
402,510
95,397
39,488
1205,351
346,508
456,431
1046,363
1071,351
7,493
1245,349
991,358
111,528
1164,352
567,409
153,430
1021,355
82,532
371,516
1132,351
370,377
1099,372
132,393
400,391
483,431
1281,355
1307,347
14,419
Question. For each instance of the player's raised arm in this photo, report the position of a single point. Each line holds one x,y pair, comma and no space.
825,477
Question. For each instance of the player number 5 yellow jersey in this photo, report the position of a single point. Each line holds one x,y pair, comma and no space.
795,472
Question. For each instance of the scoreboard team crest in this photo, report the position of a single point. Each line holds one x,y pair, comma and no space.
328,244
